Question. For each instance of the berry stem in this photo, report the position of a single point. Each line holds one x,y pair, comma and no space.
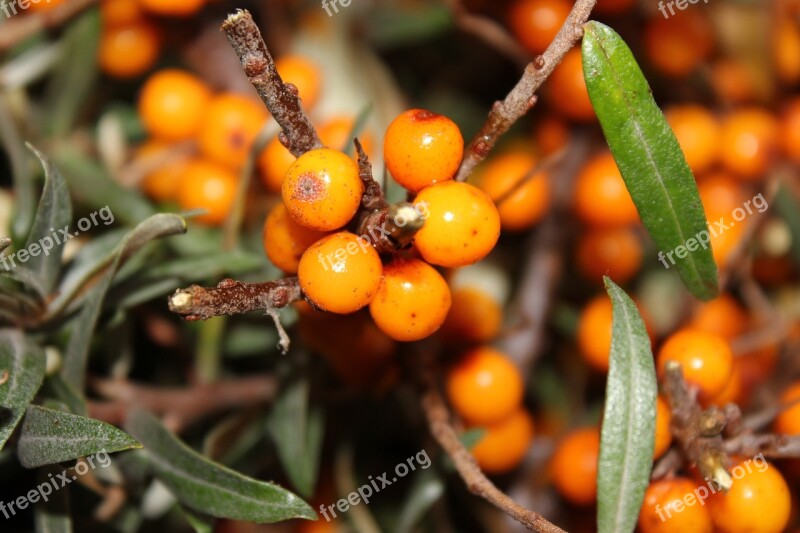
232,297
299,136
523,97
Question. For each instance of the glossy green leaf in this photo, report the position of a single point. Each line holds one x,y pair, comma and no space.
25,364
208,487
649,158
628,434
53,515
49,436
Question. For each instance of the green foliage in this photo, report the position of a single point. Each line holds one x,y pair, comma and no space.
24,361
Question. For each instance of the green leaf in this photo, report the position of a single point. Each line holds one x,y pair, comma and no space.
77,351
54,213
649,157
60,390
21,173
25,364
627,437
297,431
789,209
208,487
53,515
50,436
470,438
425,492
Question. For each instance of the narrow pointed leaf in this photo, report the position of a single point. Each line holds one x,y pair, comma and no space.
627,437
209,487
25,364
649,158
50,436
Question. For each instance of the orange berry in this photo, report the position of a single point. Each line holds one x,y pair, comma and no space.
173,8
788,421
664,509
721,316
734,81
678,45
230,124
613,252
120,12
128,50
750,138
340,273
574,466
551,134
720,193
535,23
613,7
163,182
422,148
474,316
505,443
786,50
207,185
303,74
601,197
171,104
758,501
273,164
44,5
484,386
790,130
462,224
706,359
663,434
322,189
285,240
521,197
337,133
697,131
567,90
412,301
733,392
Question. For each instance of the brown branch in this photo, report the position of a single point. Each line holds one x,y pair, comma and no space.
438,417
372,199
773,446
232,297
280,98
21,27
489,31
523,96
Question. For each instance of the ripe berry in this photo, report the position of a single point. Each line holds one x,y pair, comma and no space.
734,391
422,148
505,443
484,387
163,182
474,316
601,197
535,23
661,512
758,501
303,74
678,45
129,50
285,240
462,225
207,185
230,125
340,273
273,163
322,189
574,466
44,5
566,89
734,81
412,301
173,8
171,104
788,421
615,252
790,130
551,134
705,358
663,434
786,50
119,12
750,138
521,197
721,316
697,131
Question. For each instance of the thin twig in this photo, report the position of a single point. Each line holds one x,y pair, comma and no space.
773,446
232,297
280,98
489,31
21,27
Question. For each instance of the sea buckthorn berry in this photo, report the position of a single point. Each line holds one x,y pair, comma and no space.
273,163
594,331
612,7
551,134
574,466
322,189
720,193
303,74
207,185
721,316
697,131
788,421
705,358
172,103
665,511
615,252
734,81
337,133
474,316
535,23
119,12
462,225
505,443
412,301
566,90
750,138
758,501
678,45
786,50
790,130
734,391
285,240
340,273
663,434
44,5
173,8
601,197
230,124
422,148
163,182
484,386
521,196
128,50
